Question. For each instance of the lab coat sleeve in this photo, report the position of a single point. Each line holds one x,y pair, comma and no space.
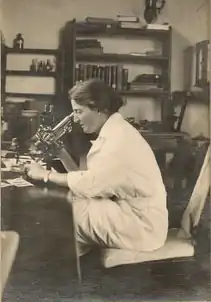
109,175
100,180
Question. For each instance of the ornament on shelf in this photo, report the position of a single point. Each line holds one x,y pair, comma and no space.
34,65
48,66
18,42
54,65
42,66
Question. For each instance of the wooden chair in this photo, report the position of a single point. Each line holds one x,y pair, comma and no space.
9,246
180,243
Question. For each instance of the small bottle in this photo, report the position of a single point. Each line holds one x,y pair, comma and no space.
43,66
33,66
48,66
40,66
53,65
18,42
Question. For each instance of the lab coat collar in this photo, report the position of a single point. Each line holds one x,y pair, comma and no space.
110,124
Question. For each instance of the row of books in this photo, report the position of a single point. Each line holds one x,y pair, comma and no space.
116,76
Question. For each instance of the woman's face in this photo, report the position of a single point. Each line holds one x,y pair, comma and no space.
90,120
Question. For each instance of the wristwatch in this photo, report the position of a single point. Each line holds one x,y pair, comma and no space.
46,177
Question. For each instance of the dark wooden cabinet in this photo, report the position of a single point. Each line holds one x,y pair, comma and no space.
74,31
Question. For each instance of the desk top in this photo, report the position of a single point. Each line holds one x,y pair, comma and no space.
47,253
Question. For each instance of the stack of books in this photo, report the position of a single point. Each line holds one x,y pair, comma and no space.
92,46
147,82
158,26
96,24
129,21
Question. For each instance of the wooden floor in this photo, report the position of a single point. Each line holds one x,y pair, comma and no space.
171,282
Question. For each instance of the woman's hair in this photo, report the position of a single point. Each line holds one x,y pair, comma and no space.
97,95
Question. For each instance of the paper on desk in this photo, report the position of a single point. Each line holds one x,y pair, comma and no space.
19,182
5,184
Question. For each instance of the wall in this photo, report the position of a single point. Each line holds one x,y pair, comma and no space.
41,20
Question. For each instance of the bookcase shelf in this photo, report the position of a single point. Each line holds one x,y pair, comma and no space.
29,95
85,64
126,58
38,51
26,73
144,92
30,73
82,29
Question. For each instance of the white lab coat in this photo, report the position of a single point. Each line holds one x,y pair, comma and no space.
120,164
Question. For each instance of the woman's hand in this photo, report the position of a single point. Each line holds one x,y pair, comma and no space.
35,171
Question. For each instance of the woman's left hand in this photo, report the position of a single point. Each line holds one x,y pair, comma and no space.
35,171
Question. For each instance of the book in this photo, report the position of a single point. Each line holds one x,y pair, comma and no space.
125,18
119,76
94,71
98,20
101,72
114,69
153,52
89,71
130,25
158,26
138,87
106,74
125,79
87,45
90,27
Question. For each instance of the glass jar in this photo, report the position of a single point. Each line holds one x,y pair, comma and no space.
18,42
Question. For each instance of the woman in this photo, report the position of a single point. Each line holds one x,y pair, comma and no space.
120,200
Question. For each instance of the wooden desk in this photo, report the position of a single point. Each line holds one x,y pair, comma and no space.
47,254
165,141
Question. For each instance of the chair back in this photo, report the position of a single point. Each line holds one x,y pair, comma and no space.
193,211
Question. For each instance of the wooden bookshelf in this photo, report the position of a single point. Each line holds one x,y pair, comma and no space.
80,59
29,73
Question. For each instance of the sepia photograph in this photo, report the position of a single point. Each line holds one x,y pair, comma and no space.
105,150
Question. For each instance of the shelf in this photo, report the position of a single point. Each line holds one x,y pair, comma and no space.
28,95
103,31
152,92
32,51
111,57
29,73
